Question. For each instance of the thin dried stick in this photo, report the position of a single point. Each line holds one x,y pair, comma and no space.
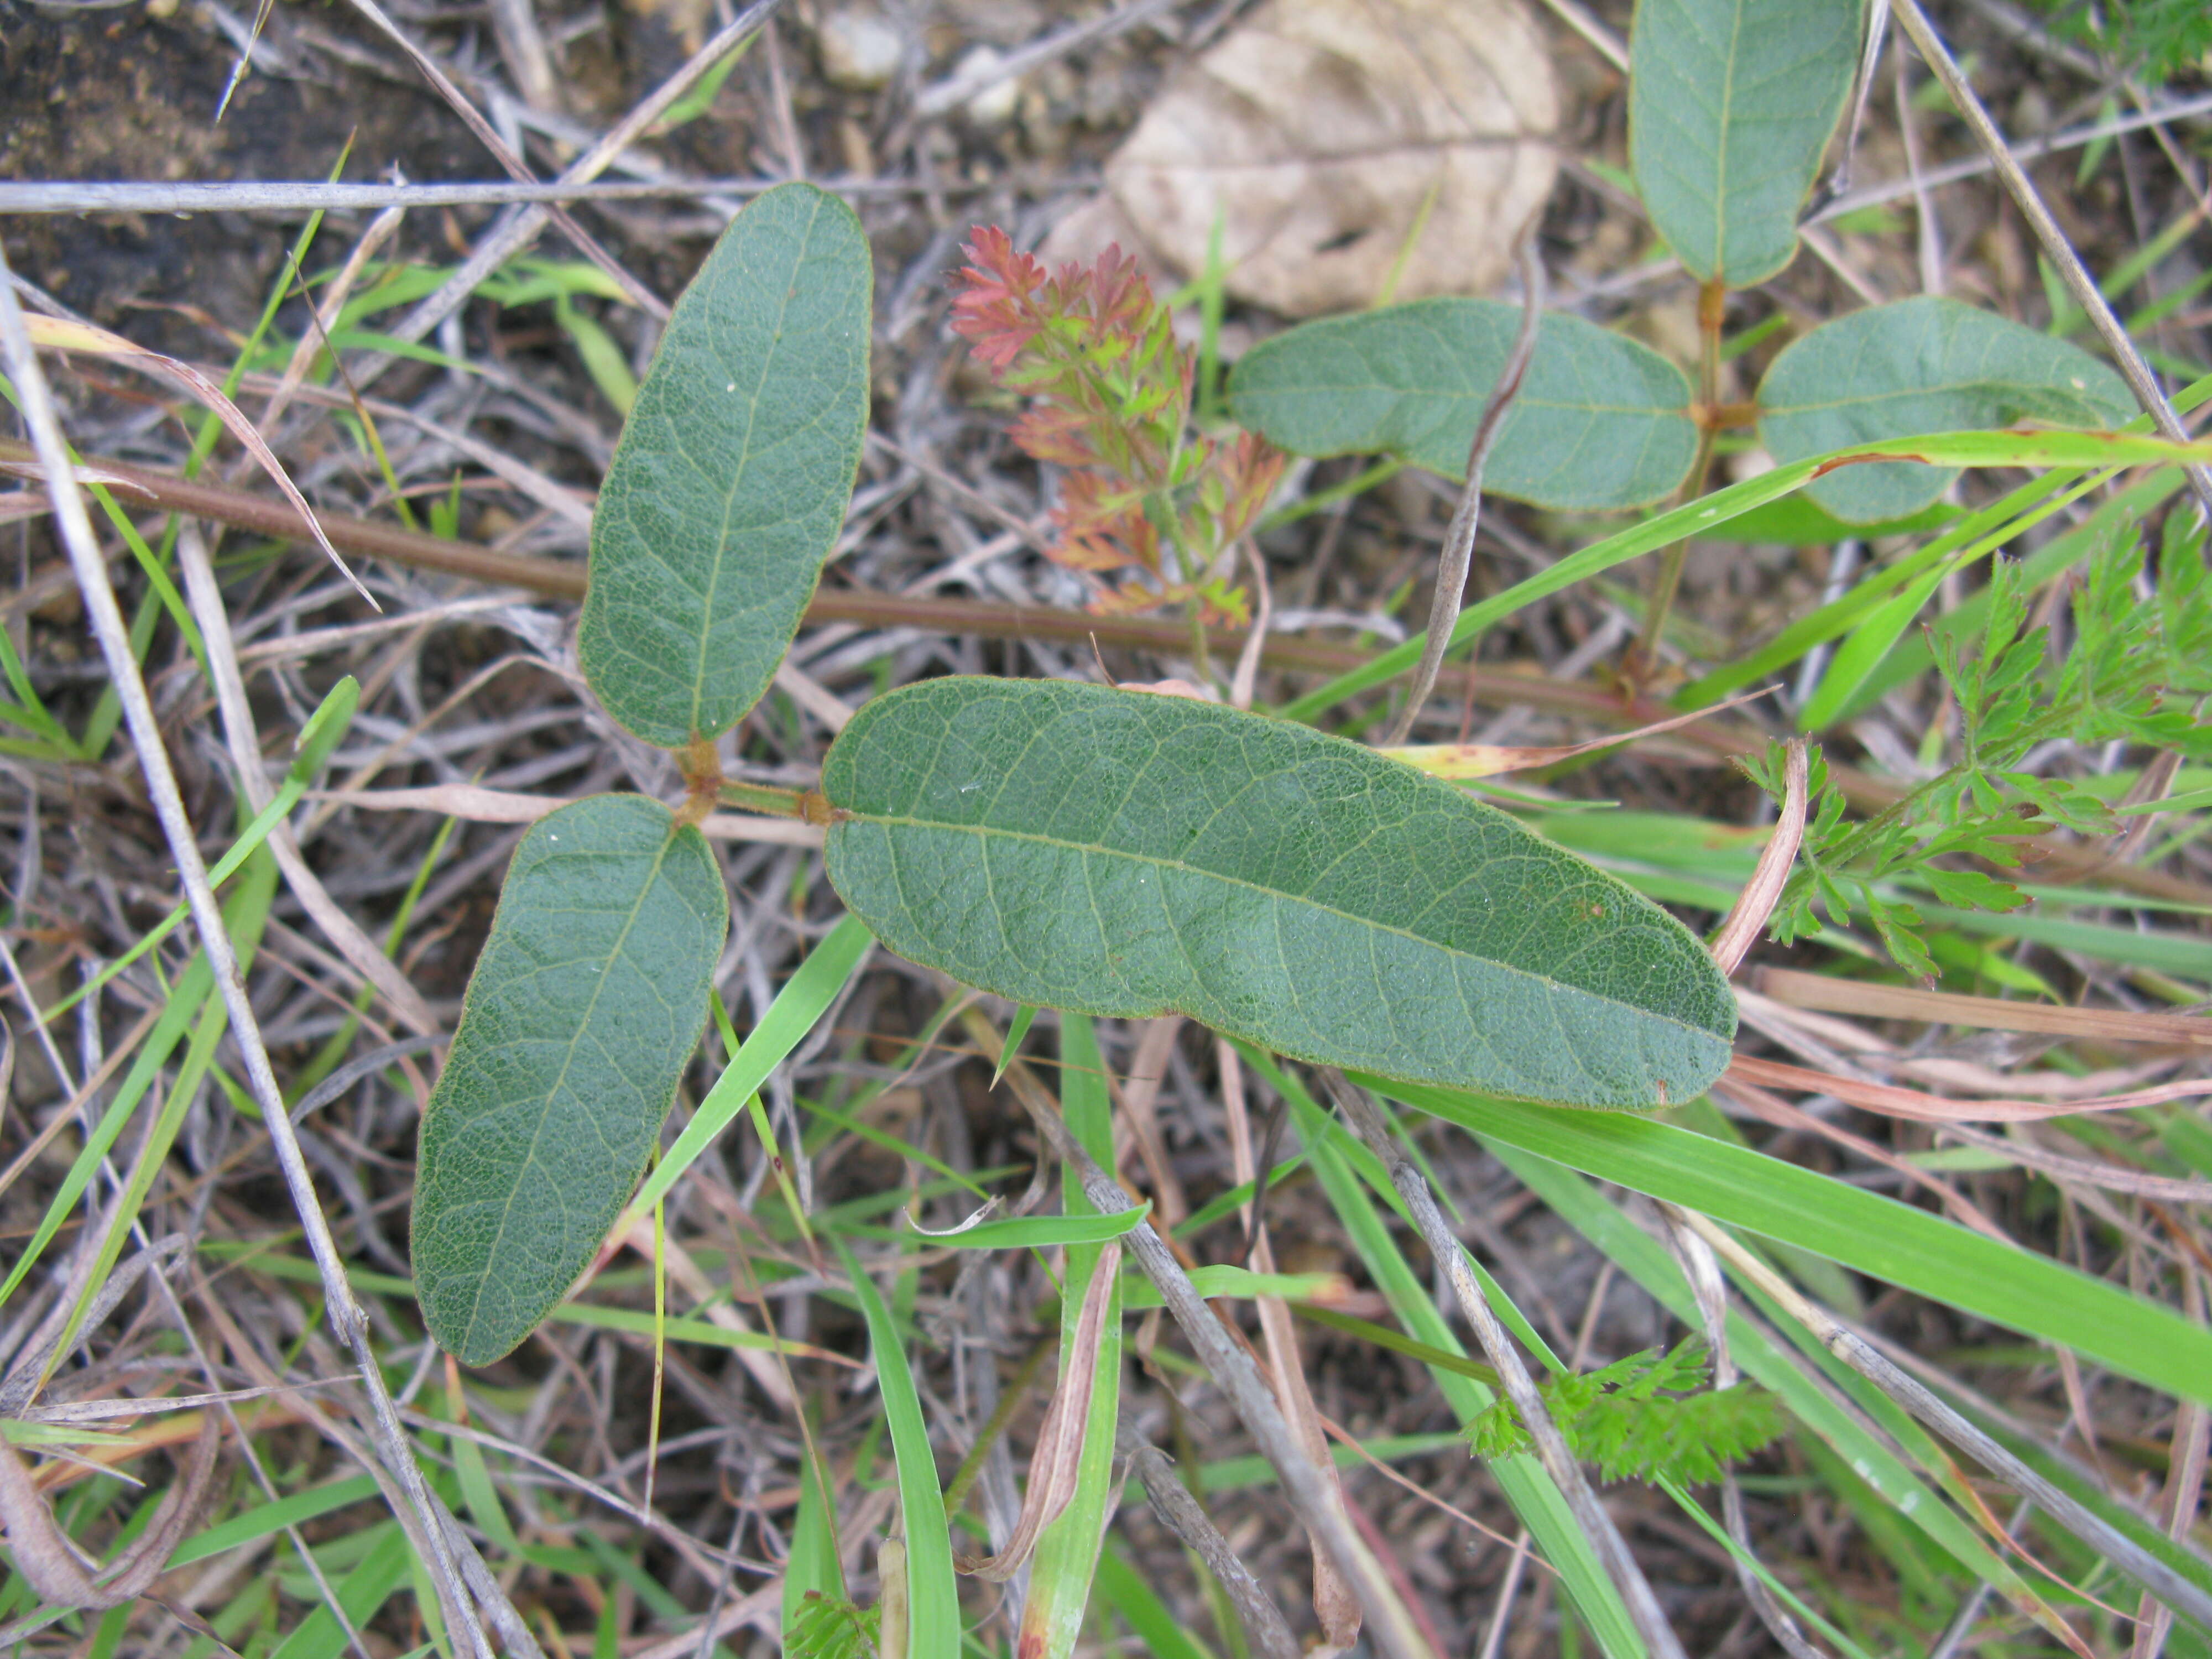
106,617
2185,1484
309,195
2079,282
1643,1610
360,951
1182,1515
565,579
1459,536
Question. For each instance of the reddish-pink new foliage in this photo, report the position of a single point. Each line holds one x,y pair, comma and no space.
1109,391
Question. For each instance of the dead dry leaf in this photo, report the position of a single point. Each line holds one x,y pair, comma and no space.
1325,133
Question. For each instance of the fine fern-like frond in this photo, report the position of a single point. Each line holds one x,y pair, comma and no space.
830,1628
2139,665
1649,1416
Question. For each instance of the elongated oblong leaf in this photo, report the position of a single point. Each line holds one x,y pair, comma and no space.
1600,421
1921,365
727,490
1122,853
586,1003
1730,104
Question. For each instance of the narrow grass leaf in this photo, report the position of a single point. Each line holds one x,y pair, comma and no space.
1067,1561
1862,652
1921,365
1601,420
1730,105
1128,855
802,1001
584,1010
361,1592
1131,1594
1577,1202
1708,512
933,1596
729,486
1037,1232
811,1566
1015,1032
263,1519
1874,1234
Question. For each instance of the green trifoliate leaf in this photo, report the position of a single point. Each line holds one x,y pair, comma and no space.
730,484
1601,420
1919,366
585,1007
1124,854
1730,105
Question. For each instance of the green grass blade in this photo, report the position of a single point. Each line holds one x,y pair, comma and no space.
1066,1558
932,1596
812,1564
1708,512
1875,1235
803,999
1130,1593
361,1592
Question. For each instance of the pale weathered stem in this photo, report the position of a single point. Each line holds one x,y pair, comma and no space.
1644,1609
2079,283
2180,1593
106,617
1459,536
1702,1270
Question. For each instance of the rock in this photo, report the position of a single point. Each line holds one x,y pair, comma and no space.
860,48
1321,132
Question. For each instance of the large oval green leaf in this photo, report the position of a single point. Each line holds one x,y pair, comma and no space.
1600,421
585,1004
730,484
1730,105
1921,365
1123,853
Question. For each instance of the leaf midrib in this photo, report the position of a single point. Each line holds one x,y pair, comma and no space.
567,1059
982,832
737,475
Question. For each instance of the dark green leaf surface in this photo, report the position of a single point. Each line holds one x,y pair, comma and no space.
729,486
1730,105
1600,421
1121,853
1921,365
585,1005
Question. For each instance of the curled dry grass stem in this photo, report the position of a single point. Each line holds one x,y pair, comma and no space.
1459,536
1233,1369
